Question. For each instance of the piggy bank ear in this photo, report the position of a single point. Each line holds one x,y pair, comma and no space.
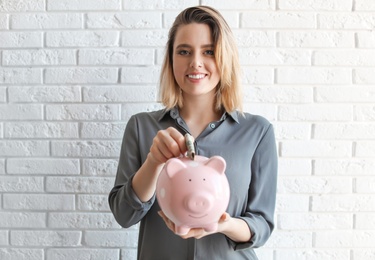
174,165
217,162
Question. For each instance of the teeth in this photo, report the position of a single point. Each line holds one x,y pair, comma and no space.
197,76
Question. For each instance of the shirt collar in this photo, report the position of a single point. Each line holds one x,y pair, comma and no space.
174,113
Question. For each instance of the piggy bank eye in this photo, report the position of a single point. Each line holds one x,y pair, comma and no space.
204,179
189,179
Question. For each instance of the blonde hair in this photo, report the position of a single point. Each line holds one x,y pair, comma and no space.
228,90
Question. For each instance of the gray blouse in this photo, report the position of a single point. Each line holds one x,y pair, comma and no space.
246,142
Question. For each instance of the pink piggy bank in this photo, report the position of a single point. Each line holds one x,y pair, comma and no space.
193,193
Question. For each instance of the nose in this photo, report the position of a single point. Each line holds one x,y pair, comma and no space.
196,61
199,203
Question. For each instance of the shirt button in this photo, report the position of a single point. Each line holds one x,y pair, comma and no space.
212,125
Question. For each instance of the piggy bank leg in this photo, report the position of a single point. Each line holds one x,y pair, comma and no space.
182,230
211,227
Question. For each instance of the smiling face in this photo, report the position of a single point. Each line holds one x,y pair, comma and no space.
194,64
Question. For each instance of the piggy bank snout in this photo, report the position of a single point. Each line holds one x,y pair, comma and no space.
199,202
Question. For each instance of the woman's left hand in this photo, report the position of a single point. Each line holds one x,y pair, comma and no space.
194,232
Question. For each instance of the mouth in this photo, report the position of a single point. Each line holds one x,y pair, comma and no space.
197,216
196,76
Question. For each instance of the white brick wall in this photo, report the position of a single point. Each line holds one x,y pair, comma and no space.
73,72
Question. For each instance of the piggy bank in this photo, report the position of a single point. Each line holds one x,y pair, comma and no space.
193,193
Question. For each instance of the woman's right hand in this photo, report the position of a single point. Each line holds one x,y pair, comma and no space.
167,143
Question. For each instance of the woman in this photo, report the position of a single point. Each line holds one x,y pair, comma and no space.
201,92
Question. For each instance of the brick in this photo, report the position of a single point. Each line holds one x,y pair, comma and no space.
315,112
20,75
24,148
41,130
83,5
39,57
278,20
317,149
102,130
274,57
44,94
296,167
111,238
21,254
312,5
344,131
366,39
45,238
366,185
345,94
4,21
344,167
22,6
21,39
3,94
347,238
122,56
17,220
2,166
152,5
21,184
350,21
364,113
82,112
363,254
285,239
93,203
268,111
314,185
252,76
123,94
21,112
4,241
365,220
316,39
144,38
252,38
278,94
39,202
82,39
133,75
364,76
82,253
86,148
77,220
100,167
98,185
81,75
315,221
322,76
313,254
364,5
292,131
44,166
256,5
351,58
125,20
292,203
46,21
129,253
365,149
343,203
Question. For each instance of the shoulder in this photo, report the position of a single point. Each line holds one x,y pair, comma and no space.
149,115
253,120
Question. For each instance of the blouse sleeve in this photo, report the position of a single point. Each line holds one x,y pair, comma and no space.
124,203
260,209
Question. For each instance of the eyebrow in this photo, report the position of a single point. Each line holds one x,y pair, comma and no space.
184,45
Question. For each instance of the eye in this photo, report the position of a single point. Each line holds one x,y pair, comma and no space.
209,52
183,52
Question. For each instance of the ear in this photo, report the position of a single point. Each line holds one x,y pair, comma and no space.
218,163
172,166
